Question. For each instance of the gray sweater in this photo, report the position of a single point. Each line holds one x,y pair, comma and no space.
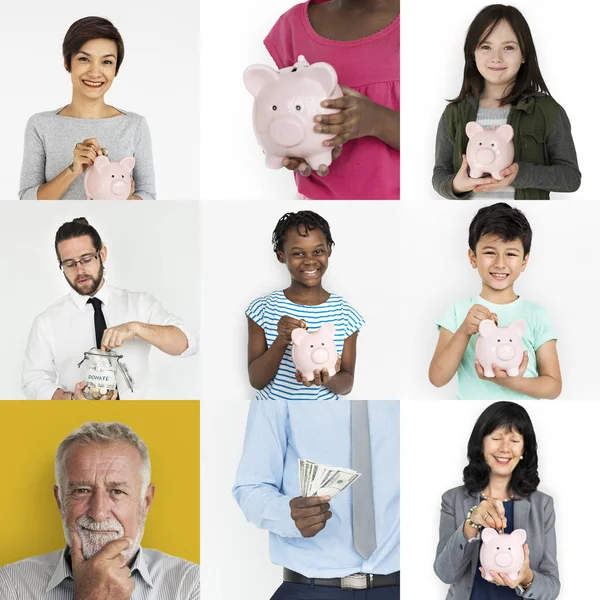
50,139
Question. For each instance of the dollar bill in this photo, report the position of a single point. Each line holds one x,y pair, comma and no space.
323,480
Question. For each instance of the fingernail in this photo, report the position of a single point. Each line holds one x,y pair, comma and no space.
286,162
325,104
319,128
318,118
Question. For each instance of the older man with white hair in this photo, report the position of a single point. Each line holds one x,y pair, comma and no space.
103,492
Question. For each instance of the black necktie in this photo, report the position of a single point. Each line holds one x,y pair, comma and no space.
99,322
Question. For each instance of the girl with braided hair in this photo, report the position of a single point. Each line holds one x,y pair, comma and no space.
302,241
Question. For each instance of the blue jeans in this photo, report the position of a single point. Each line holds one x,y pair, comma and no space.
302,591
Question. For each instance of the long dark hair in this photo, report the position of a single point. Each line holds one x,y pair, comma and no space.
476,475
529,78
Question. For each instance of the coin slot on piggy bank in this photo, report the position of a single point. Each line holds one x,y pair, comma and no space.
100,373
489,150
285,105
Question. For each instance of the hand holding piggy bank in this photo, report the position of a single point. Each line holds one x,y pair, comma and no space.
285,105
314,350
502,552
502,346
106,180
489,150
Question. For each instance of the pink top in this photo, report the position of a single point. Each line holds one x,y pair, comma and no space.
367,168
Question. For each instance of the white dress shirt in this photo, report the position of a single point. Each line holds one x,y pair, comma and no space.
157,576
62,333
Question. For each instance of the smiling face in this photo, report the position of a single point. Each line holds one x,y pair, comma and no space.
101,496
498,263
306,256
93,68
498,56
87,276
502,451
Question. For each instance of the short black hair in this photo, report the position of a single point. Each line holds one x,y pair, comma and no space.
76,228
507,222
91,28
307,219
524,479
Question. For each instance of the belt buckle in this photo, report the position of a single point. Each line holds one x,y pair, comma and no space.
357,581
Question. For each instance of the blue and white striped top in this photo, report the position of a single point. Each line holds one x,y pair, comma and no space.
157,576
267,311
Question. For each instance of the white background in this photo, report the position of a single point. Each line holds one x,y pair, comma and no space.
151,248
233,164
434,455
433,35
560,276
235,553
238,265
157,79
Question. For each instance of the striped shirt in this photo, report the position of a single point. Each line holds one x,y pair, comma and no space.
488,118
157,576
267,311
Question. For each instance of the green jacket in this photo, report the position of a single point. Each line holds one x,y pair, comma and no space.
544,147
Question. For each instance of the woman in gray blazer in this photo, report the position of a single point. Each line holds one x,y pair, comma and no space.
499,492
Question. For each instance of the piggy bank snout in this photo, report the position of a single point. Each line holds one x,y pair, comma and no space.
319,355
485,156
506,352
503,559
119,186
286,131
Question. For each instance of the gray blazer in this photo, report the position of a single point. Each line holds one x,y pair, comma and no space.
456,558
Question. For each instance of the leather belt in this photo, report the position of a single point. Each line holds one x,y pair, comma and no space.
357,581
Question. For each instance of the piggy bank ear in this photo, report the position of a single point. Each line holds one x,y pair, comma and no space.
488,534
128,163
472,128
506,132
257,76
324,73
298,334
519,535
487,327
328,328
519,327
101,162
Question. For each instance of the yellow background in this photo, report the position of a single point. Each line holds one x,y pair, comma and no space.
30,433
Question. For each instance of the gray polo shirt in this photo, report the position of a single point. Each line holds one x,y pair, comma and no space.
50,139
157,576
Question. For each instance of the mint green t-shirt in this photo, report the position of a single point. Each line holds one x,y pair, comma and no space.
539,331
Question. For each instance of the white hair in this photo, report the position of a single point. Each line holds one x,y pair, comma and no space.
103,433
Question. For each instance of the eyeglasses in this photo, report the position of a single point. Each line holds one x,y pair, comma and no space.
86,259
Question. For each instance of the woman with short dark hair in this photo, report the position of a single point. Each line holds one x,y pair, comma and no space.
61,144
499,492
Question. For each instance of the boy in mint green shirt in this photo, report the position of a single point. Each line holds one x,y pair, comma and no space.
499,245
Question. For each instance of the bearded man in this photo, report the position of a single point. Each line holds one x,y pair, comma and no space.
103,492
96,315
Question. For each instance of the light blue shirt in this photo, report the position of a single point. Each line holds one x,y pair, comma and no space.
280,432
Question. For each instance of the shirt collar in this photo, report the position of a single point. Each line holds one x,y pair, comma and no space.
63,569
103,294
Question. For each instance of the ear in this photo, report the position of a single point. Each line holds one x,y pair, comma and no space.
506,132
148,497
520,535
472,258
488,534
518,326
525,262
103,253
472,128
324,73
257,76
101,162
280,256
487,328
128,163
328,328
298,334
57,496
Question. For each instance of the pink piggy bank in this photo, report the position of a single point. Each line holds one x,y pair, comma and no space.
314,351
106,180
489,150
502,346
502,552
285,105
